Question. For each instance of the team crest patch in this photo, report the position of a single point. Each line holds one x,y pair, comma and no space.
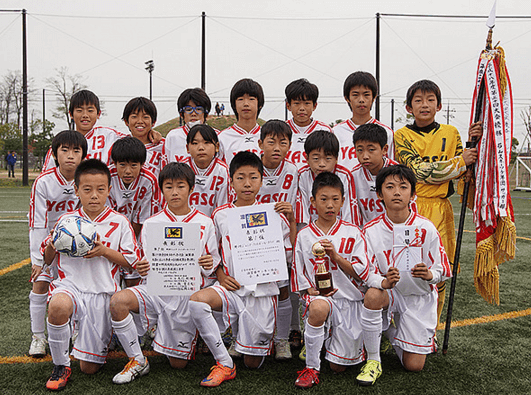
254,220
172,232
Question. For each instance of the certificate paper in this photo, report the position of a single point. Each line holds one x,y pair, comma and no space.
172,251
407,247
257,244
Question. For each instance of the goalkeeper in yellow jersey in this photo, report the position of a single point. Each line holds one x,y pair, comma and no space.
435,154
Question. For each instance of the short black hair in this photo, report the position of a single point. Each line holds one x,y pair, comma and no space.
360,78
177,171
250,87
69,138
140,104
301,89
327,179
198,96
245,158
91,166
370,132
425,86
400,171
322,140
206,131
128,149
83,97
275,127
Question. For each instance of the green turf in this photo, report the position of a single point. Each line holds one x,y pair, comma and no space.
482,359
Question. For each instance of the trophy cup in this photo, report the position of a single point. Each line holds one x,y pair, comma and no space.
323,278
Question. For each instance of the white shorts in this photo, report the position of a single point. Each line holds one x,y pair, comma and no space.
126,275
92,313
256,319
48,274
343,334
415,318
176,334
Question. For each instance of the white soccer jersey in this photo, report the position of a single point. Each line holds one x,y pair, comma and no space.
174,148
154,159
305,213
280,185
379,236
211,188
98,275
221,222
369,205
99,143
348,242
140,200
235,139
298,138
208,243
51,197
347,151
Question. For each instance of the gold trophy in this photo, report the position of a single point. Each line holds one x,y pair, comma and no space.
323,278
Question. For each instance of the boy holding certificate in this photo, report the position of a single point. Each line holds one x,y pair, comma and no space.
410,260
249,309
176,333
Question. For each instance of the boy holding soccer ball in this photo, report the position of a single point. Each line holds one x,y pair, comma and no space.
85,285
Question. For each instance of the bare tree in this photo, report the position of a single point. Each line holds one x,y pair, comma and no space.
11,96
64,86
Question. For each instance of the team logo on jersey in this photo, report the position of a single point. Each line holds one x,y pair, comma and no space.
301,140
271,182
68,191
172,232
249,139
254,220
127,194
200,181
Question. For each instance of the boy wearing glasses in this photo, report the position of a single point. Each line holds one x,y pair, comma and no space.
193,106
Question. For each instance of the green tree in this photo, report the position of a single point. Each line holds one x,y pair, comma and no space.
10,138
41,140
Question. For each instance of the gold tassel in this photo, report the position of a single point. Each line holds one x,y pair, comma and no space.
500,55
505,237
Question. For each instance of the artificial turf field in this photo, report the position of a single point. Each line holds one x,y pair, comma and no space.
492,357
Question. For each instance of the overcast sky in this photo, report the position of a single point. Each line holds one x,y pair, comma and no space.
273,42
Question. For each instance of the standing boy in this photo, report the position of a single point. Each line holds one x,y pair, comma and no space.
359,90
301,101
249,309
84,287
410,297
52,195
332,319
246,99
435,154
176,333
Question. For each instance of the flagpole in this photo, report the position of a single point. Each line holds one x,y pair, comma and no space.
459,239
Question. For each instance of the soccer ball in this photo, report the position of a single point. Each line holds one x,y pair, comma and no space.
74,236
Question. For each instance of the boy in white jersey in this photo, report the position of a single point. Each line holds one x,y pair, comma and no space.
176,334
52,195
211,173
336,313
301,101
84,287
408,297
370,141
321,150
249,309
193,106
280,185
359,90
246,100
140,115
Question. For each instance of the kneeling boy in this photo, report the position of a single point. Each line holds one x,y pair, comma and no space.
338,312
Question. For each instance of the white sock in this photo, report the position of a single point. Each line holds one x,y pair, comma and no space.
314,339
371,325
38,313
127,334
208,329
295,313
283,319
58,339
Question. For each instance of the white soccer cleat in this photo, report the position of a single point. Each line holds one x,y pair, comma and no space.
132,370
282,350
37,347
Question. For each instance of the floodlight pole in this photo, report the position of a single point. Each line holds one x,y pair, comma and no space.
150,66
43,109
203,50
377,101
392,114
24,103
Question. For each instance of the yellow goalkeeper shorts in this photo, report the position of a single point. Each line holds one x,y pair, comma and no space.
440,212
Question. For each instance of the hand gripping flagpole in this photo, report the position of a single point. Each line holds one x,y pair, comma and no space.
466,189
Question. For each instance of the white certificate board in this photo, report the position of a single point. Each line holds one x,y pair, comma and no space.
407,247
172,251
257,244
